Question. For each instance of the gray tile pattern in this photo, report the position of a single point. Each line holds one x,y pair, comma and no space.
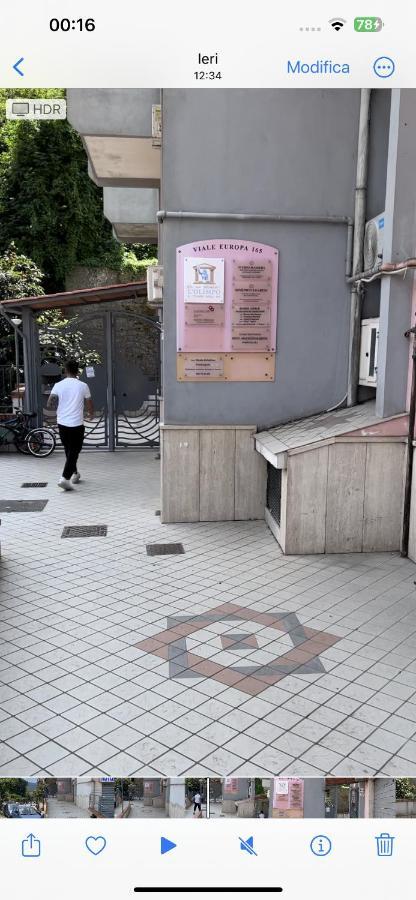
77,696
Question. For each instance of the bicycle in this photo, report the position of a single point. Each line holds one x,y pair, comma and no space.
39,442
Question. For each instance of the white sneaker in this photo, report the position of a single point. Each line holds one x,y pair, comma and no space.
76,478
65,484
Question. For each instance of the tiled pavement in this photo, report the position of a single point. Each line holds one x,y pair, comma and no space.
228,659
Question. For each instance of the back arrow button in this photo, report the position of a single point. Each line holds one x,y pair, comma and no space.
16,66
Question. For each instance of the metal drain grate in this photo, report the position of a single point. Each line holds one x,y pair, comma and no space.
163,549
22,505
81,531
34,484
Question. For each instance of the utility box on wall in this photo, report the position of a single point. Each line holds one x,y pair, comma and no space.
369,352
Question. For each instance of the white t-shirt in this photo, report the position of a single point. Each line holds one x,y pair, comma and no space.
71,393
197,798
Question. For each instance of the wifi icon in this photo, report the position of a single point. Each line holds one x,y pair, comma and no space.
337,24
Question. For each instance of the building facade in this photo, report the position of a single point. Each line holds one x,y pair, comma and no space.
237,173
305,798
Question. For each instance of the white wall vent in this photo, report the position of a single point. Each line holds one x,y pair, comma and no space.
369,352
373,242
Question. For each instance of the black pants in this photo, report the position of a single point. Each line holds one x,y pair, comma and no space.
72,440
197,806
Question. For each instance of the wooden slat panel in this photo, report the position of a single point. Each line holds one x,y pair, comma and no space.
250,478
383,502
345,498
306,502
180,476
217,462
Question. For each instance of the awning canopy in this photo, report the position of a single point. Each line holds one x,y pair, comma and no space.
106,294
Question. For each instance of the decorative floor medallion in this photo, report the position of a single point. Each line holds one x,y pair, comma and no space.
299,647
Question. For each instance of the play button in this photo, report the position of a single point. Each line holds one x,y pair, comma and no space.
166,845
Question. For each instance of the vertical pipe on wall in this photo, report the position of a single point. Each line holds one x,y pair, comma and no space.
111,401
404,548
358,244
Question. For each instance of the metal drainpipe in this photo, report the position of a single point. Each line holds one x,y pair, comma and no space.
404,547
358,245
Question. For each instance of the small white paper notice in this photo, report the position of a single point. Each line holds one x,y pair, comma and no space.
90,372
282,786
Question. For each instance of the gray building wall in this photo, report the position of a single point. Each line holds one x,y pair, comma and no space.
400,244
384,798
314,798
266,151
112,111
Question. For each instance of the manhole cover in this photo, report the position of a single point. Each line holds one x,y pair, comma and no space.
81,531
34,484
22,505
163,549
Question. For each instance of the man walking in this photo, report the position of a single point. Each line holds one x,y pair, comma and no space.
198,804
71,394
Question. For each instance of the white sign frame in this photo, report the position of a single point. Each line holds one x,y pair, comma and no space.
203,279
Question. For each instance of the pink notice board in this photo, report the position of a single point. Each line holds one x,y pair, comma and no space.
228,304
231,785
288,794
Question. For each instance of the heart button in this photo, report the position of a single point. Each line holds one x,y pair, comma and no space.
95,845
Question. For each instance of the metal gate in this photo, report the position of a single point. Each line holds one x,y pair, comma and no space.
124,378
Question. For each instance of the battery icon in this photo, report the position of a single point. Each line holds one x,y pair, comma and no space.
368,24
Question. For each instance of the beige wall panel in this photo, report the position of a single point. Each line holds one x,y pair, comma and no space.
225,366
306,502
250,478
383,500
345,498
180,475
217,464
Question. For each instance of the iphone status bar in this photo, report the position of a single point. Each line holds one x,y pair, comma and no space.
214,45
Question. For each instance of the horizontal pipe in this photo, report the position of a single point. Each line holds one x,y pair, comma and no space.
384,269
163,214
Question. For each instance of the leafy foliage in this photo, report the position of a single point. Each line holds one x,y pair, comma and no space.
12,789
58,341
48,204
19,277
406,788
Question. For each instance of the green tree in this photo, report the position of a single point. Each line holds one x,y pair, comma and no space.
258,787
12,789
58,341
406,788
49,206
19,277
